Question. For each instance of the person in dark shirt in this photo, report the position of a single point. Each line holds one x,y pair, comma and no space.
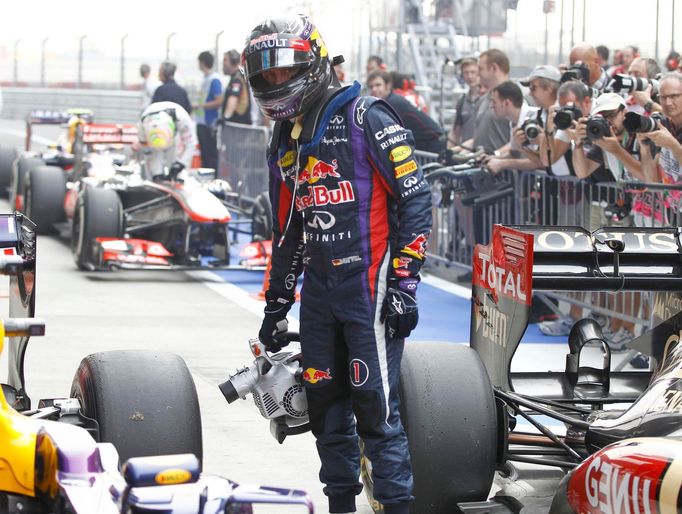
428,135
169,90
236,101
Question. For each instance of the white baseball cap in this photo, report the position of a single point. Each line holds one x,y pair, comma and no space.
608,102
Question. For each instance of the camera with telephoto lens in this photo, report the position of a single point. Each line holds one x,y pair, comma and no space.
597,127
626,83
564,117
531,128
577,71
637,123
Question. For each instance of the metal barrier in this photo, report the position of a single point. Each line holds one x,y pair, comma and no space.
467,202
107,106
242,161
423,158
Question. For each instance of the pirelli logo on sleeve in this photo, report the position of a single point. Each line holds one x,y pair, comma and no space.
400,153
405,169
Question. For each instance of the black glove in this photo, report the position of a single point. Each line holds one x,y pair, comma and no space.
274,323
399,310
175,169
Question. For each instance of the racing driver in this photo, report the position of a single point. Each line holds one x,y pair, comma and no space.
169,140
352,208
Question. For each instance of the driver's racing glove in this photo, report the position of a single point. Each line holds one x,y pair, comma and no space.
175,169
399,310
275,322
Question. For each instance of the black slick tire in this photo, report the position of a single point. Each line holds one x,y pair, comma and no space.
448,411
8,156
99,213
44,193
17,180
145,402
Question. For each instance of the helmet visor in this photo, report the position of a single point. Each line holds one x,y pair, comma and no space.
276,51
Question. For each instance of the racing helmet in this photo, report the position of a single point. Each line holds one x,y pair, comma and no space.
159,130
292,45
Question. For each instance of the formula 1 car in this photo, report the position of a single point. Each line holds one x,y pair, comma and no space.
128,222
63,456
622,443
116,218
62,153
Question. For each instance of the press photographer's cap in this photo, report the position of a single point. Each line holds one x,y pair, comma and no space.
608,102
544,71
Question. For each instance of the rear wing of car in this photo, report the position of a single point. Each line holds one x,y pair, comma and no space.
53,117
520,260
113,133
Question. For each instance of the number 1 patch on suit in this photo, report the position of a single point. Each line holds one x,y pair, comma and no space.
359,372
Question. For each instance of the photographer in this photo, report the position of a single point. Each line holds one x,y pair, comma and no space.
584,62
608,154
641,102
665,166
506,101
543,84
556,149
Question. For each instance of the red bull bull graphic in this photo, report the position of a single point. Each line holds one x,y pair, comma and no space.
417,247
316,170
320,196
400,266
313,376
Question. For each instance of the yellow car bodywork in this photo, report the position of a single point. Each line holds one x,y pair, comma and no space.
17,446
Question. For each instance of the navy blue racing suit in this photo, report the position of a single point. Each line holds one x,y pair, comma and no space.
361,215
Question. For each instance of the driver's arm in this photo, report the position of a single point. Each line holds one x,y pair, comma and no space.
233,91
186,131
403,180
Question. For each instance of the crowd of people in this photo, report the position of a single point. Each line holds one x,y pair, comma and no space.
603,123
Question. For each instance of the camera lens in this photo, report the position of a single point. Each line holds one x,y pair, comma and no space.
531,131
597,127
563,120
637,123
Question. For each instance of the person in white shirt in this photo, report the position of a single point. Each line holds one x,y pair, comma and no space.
149,85
507,102
168,137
